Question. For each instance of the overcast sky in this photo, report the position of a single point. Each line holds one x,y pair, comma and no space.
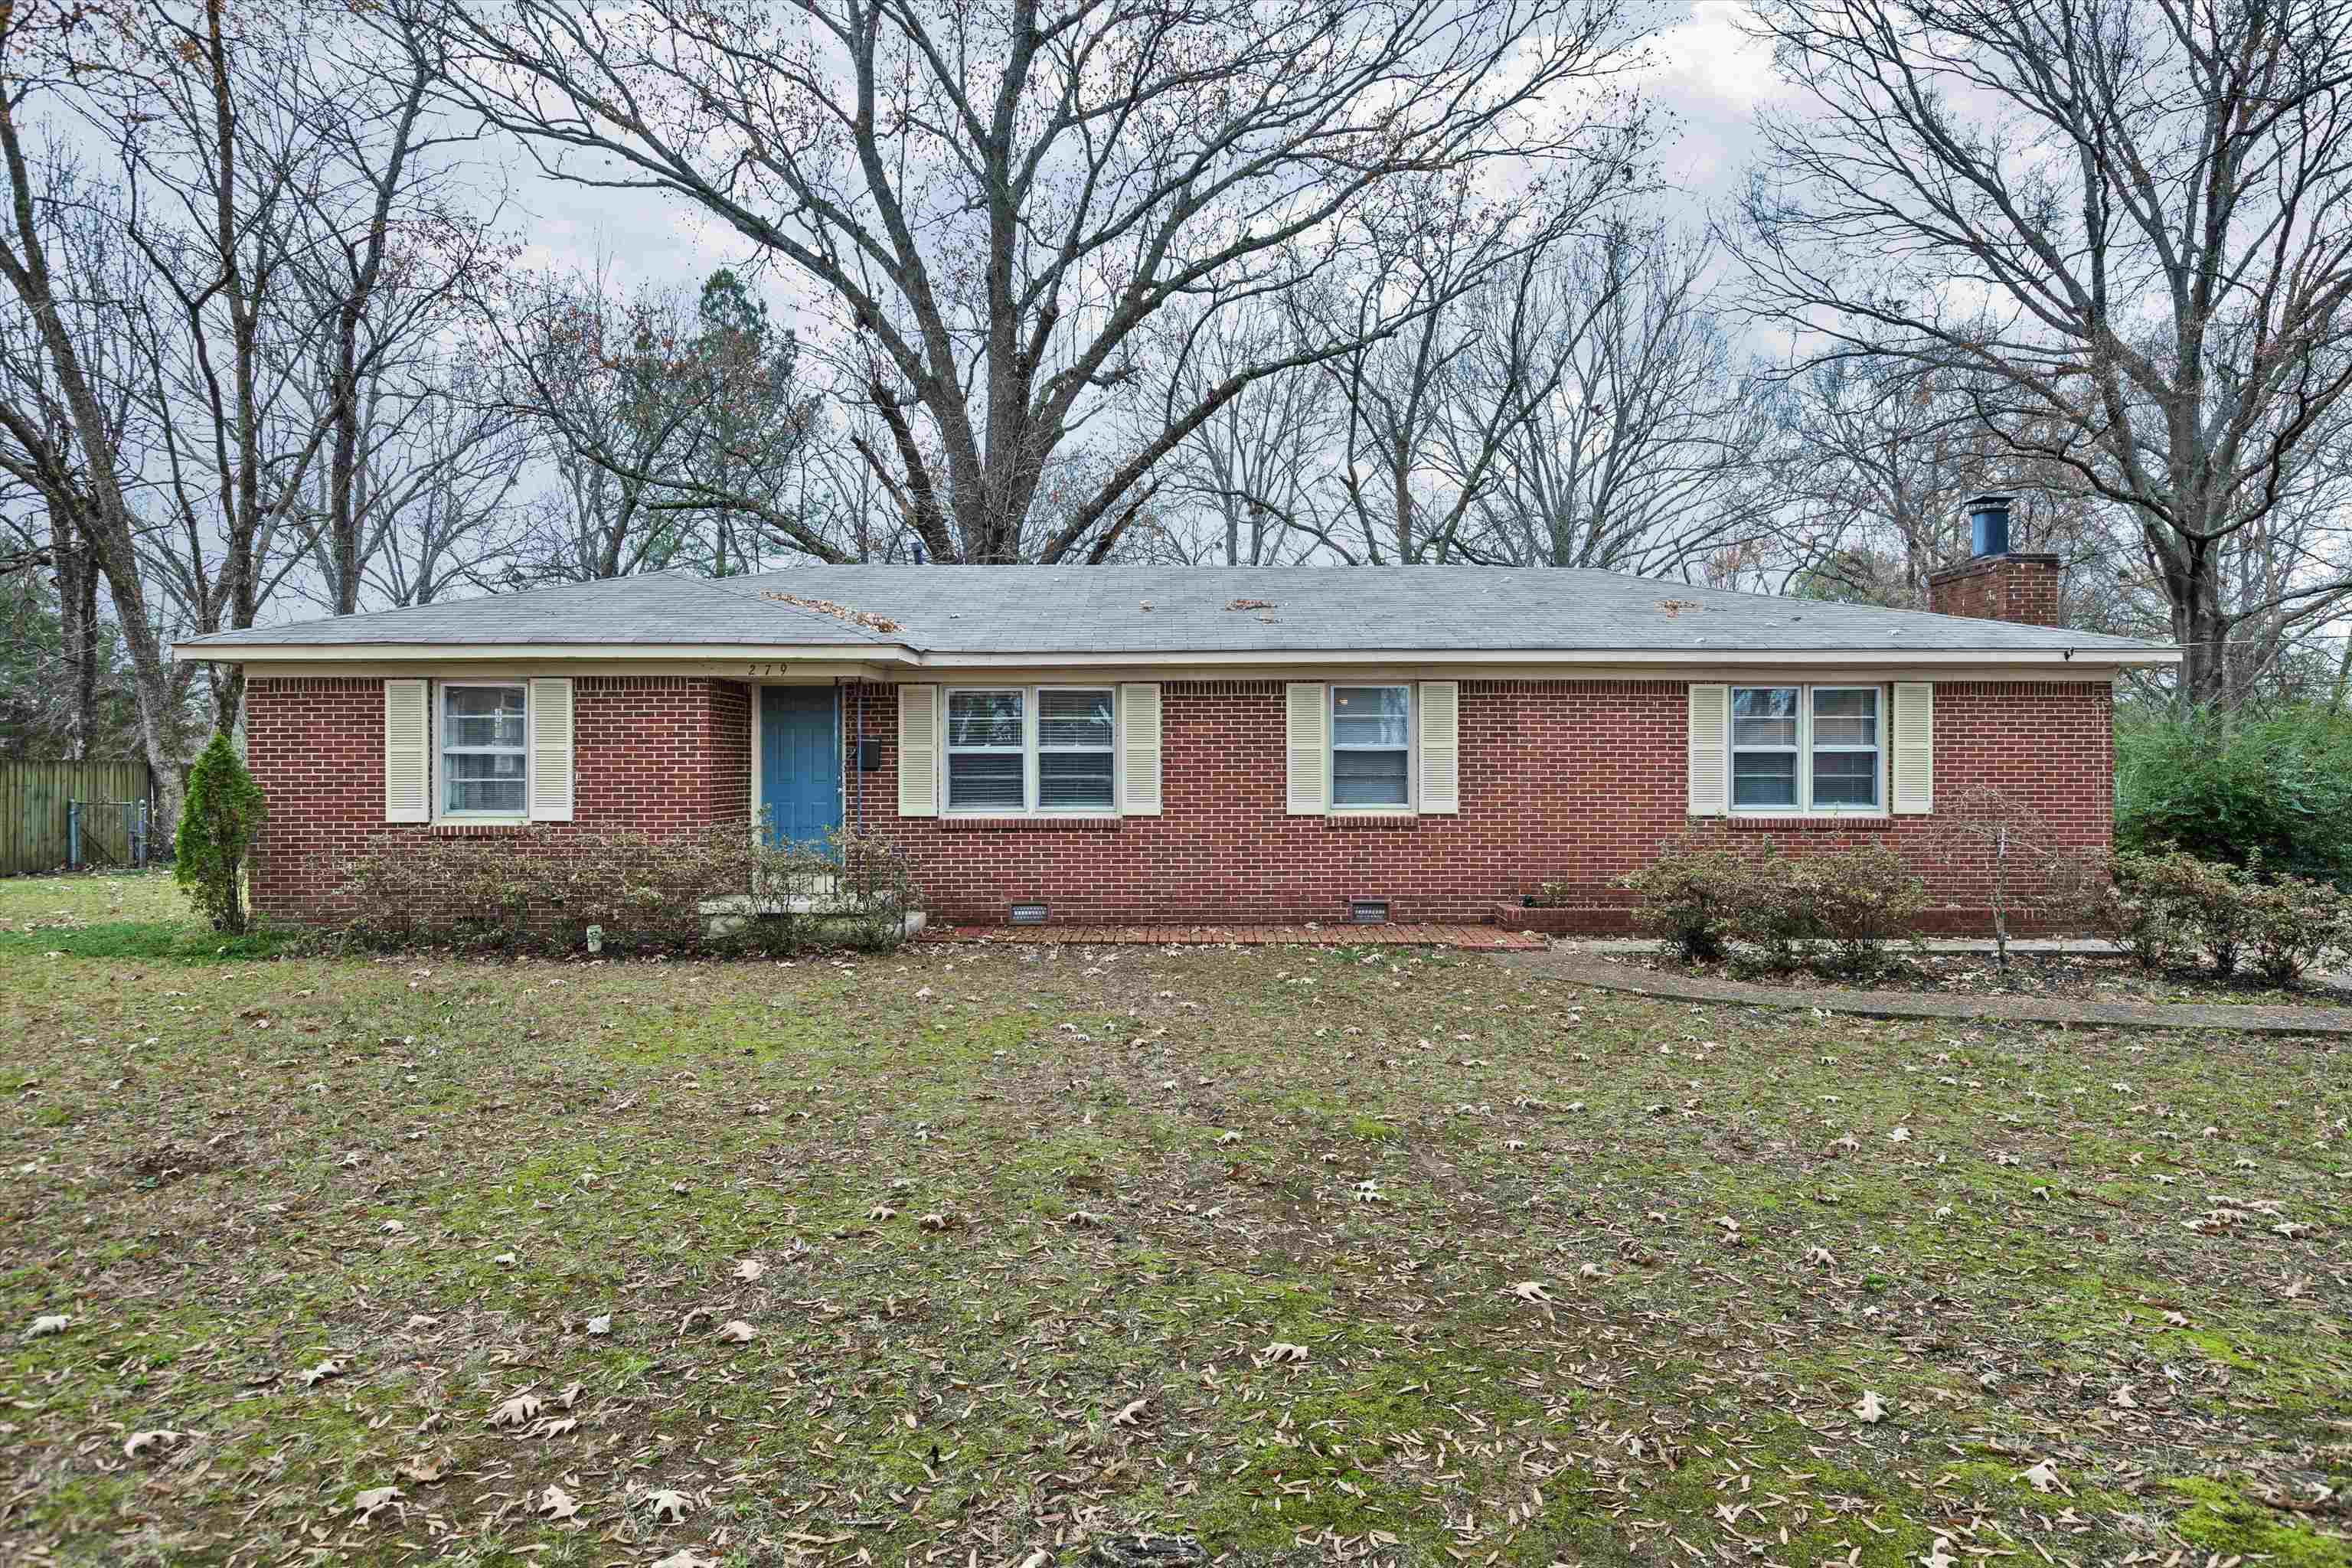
1707,81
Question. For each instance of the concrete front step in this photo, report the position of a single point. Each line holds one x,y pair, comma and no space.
824,902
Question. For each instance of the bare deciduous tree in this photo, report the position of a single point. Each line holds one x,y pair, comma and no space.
35,67
2131,223
1245,487
1636,443
996,202
1880,459
675,429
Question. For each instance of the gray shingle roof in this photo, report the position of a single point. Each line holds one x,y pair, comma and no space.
662,607
1048,610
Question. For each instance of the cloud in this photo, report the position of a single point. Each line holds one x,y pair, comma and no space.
1710,78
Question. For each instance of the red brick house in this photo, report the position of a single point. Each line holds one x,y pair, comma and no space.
1194,744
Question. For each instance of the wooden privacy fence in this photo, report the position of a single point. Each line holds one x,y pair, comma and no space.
36,833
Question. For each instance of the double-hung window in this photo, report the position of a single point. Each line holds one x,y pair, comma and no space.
483,751
1075,735
1807,748
1372,746
1016,750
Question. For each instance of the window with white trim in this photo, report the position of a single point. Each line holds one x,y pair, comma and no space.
1074,734
1015,749
484,757
1807,748
1372,746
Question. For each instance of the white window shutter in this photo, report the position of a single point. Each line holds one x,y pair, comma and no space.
1138,749
918,750
1309,753
1441,747
407,751
549,789
1710,749
1914,791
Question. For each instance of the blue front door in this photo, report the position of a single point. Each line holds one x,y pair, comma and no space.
799,763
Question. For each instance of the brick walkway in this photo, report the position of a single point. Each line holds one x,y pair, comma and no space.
1404,933
1581,969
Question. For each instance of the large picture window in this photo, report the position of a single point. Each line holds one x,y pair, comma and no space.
1807,748
484,759
1021,749
1372,745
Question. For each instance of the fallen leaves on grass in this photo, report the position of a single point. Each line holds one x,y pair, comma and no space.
520,1410
317,1374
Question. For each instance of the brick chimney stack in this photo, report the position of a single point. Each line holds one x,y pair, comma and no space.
1995,583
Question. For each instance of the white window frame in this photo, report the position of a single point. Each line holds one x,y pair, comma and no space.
1032,784
1805,748
1332,804
1035,745
441,811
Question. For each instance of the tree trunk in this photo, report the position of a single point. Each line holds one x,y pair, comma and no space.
78,628
2190,573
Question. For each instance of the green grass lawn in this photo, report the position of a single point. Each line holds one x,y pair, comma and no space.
1321,1254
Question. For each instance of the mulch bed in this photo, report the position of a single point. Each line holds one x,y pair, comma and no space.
2082,977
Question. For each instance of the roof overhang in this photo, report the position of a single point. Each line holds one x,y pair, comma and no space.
2105,658
535,653
704,657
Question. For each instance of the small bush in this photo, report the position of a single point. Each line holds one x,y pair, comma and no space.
219,820
1775,917
645,892
1861,899
1784,908
1690,899
2160,907
2294,924
2204,899
2092,894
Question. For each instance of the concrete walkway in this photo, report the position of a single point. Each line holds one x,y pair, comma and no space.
1579,968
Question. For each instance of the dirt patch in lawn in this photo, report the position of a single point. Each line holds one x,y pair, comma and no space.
1328,1257
2085,977
169,1163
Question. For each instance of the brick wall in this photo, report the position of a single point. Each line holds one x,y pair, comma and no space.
653,752
2014,587
1578,782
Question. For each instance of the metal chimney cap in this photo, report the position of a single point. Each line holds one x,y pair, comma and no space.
1989,526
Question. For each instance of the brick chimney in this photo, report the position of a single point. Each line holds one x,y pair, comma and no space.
1995,583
